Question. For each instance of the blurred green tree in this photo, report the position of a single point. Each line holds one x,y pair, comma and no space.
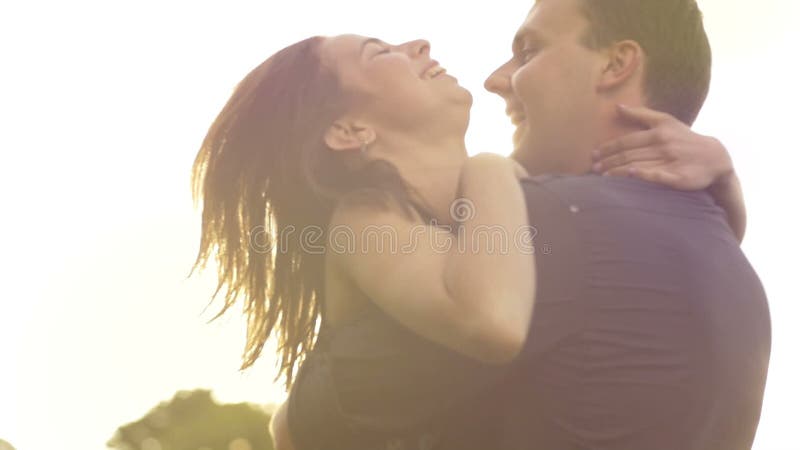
192,420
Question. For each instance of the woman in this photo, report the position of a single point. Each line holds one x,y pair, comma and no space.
323,142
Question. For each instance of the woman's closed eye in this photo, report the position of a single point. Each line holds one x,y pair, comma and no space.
381,47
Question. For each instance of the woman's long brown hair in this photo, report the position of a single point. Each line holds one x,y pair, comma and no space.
268,184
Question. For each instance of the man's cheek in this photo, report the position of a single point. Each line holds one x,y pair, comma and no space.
523,83
526,97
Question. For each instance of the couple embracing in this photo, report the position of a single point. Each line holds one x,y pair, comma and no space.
642,327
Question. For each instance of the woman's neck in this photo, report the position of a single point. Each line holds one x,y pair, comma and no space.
431,167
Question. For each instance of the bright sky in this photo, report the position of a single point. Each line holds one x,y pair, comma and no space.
103,106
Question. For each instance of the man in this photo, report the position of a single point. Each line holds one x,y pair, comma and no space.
650,330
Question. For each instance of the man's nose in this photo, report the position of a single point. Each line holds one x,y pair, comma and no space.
499,82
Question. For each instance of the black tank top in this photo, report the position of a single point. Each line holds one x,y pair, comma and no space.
374,384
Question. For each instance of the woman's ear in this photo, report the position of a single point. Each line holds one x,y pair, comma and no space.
345,135
623,63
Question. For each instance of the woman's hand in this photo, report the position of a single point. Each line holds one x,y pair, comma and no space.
667,152
670,153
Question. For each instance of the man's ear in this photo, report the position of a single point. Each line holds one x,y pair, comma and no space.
348,135
625,59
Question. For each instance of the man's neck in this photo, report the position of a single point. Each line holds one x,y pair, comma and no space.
614,125
573,155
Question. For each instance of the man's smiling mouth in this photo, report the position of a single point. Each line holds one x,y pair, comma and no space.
517,117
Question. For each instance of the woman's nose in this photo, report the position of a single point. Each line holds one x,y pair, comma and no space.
419,47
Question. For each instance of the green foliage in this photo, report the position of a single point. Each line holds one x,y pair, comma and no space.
192,420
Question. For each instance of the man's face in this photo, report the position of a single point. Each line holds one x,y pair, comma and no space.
549,87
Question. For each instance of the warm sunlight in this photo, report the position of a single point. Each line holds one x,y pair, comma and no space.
104,106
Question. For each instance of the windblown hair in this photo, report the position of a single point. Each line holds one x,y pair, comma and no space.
671,33
269,186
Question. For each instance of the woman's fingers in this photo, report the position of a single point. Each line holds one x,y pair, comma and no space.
627,142
649,172
644,116
627,157
660,176
623,171
628,169
667,152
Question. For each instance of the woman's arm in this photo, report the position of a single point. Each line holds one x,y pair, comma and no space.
279,429
670,153
727,191
450,286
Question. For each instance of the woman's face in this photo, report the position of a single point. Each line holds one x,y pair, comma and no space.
396,86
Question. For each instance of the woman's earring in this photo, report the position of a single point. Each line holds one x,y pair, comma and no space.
364,147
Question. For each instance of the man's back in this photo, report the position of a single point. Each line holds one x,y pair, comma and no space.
651,329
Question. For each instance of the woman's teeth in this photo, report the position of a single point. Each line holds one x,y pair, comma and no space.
434,72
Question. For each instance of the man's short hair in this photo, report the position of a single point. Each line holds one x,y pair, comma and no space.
671,33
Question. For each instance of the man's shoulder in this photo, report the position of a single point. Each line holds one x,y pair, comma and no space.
592,183
596,191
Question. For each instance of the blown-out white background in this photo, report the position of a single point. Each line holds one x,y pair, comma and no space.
103,106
